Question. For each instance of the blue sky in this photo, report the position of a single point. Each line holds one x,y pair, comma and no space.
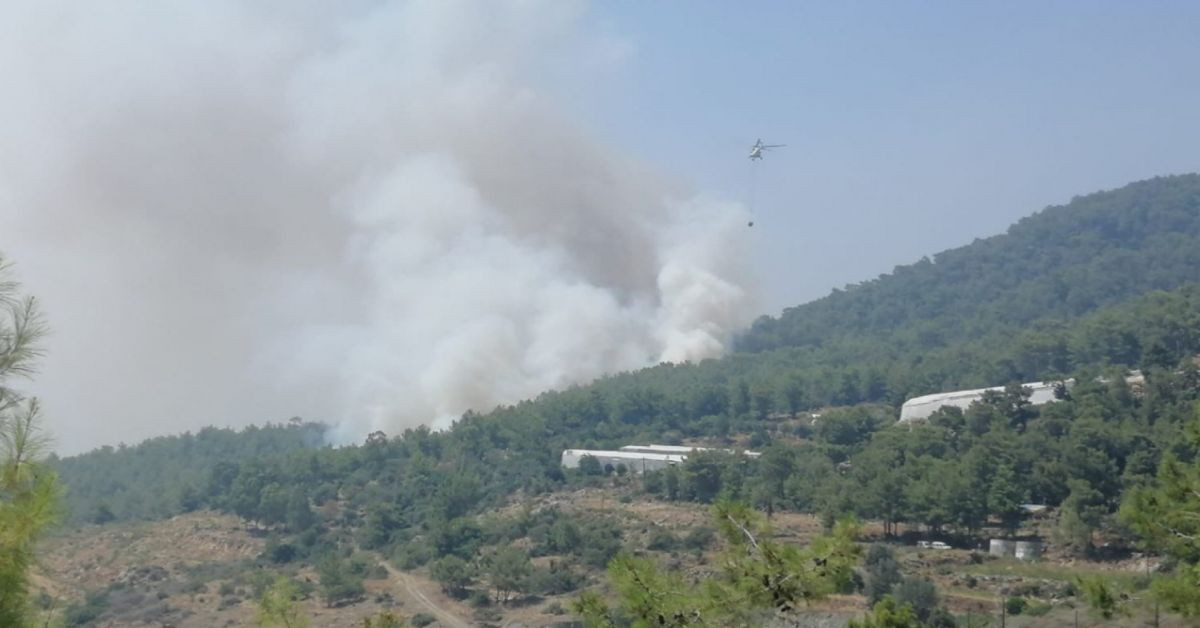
912,127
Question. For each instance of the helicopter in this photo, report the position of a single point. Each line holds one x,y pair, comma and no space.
756,151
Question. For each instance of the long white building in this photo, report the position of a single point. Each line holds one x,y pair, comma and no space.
639,458
919,408
634,461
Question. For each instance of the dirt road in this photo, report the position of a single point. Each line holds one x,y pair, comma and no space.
445,616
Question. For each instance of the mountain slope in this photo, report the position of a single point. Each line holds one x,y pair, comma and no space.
1061,262
1068,288
1118,291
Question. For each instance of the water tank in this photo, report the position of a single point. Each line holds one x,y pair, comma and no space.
1028,550
1001,547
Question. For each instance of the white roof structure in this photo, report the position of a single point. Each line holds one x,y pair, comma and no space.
682,450
919,408
634,461
662,449
639,458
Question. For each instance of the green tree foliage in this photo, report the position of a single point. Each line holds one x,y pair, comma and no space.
508,572
1104,599
277,607
920,594
384,619
590,465
882,572
454,574
889,613
759,577
339,585
1166,515
1088,290
29,490
171,474
1061,262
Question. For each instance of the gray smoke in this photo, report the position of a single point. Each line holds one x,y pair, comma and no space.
374,213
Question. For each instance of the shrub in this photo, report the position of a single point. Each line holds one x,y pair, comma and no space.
919,593
1015,605
699,537
280,553
89,611
422,619
661,540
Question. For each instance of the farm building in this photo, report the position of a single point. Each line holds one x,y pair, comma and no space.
639,458
919,408
635,461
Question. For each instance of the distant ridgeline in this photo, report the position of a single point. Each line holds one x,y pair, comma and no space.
1089,290
1062,262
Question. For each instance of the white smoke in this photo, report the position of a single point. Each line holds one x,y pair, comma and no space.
372,212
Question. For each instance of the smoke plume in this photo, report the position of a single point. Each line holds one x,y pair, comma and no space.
374,213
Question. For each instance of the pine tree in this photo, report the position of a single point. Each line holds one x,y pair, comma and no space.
29,491
759,577
1167,517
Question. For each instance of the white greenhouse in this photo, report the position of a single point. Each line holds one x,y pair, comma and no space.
637,462
919,408
639,458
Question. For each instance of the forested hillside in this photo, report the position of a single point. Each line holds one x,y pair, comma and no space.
1089,290
1059,263
161,476
967,319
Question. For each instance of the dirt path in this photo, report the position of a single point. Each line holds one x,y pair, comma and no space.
445,616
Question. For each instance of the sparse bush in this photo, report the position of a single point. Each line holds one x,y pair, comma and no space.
82,614
412,555
422,619
43,600
699,537
280,553
338,585
661,540
384,619
919,593
941,618
479,599
485,615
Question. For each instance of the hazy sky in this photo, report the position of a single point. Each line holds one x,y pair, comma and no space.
912,126
380,214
